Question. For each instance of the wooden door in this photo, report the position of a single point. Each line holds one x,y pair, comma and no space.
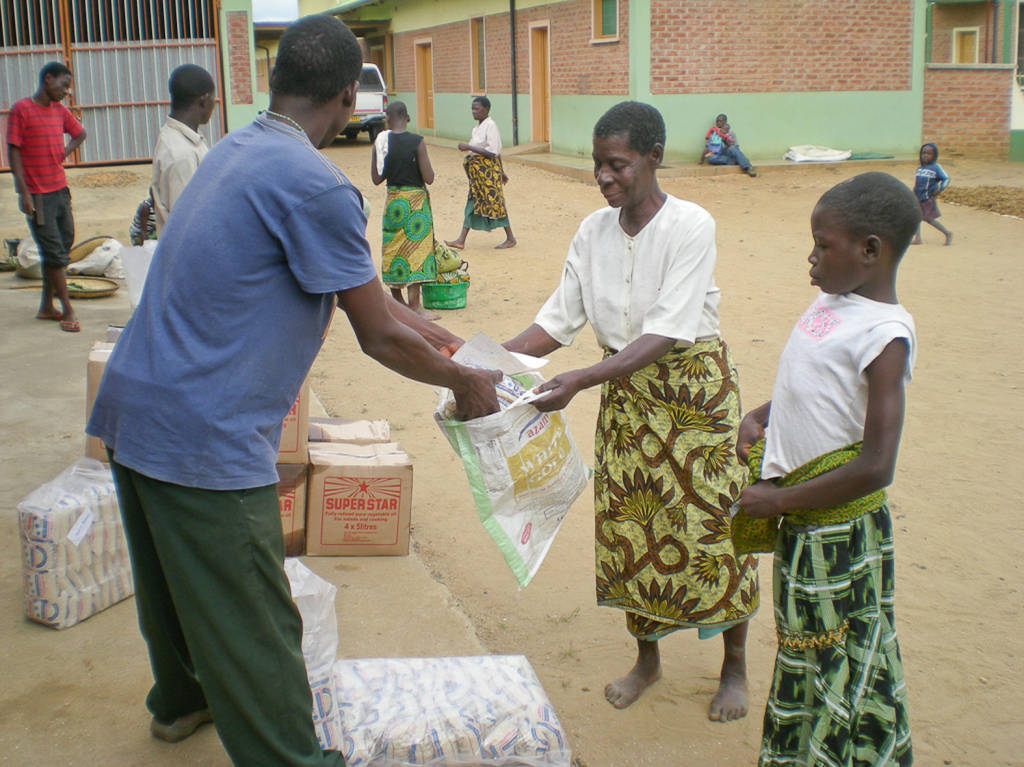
424,86
540,91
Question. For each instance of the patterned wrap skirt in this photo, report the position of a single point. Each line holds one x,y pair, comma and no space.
838,697
408,254
666,474
485,207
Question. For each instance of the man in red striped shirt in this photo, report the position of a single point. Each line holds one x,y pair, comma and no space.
35,139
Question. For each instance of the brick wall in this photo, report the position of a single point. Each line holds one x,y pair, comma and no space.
737,46
576,65
967,111
239,65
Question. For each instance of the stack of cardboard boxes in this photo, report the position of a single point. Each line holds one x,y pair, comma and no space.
358,493
345,489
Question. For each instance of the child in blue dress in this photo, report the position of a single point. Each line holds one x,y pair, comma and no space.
929,181
822,450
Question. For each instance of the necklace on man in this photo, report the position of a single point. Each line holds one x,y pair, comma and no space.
285,118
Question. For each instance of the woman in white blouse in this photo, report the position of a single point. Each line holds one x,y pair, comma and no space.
641,272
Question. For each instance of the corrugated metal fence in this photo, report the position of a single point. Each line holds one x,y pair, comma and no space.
121,53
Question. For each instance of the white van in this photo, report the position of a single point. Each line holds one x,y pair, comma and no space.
371,101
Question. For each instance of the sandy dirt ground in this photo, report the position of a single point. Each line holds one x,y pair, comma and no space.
959,599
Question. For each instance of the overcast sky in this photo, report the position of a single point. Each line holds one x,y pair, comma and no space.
274,10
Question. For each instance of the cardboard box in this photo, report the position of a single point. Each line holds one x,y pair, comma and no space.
295,430
359,500
291,494
97,363
354,432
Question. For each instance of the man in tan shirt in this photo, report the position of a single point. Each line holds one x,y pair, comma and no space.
180,147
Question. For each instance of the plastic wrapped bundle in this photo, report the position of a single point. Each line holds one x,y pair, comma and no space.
486,711
315,599
74,554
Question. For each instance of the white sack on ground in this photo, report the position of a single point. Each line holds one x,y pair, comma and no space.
810,153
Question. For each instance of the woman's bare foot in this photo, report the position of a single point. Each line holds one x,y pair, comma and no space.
730,702
645,672
949,238
455,244
506,244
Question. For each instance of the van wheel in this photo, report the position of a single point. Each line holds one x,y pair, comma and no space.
373,131
351,135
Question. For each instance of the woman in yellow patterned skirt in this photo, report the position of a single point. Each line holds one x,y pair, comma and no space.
641,272
407,255
485,206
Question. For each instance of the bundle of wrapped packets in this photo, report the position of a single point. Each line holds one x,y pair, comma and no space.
485,711
479,711
74,555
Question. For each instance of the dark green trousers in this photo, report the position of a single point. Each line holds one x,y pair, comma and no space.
217,615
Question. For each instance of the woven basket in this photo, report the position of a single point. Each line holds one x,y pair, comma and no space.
438,295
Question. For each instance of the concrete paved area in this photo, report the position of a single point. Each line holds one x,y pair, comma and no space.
75,697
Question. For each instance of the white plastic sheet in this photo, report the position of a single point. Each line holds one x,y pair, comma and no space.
315,599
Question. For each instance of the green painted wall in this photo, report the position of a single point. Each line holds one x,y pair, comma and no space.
1017,146
452,117
238,114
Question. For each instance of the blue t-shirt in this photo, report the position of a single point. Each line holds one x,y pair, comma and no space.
237,302
929,180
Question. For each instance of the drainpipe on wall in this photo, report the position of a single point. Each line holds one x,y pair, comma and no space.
515,99
995,31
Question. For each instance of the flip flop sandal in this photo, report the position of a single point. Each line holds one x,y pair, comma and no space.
70,326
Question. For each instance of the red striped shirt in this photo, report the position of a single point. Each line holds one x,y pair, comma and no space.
38,132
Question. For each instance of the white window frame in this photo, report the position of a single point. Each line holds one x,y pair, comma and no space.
473,90
955,47
595,25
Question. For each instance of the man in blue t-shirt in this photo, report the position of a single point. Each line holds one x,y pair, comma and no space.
265,240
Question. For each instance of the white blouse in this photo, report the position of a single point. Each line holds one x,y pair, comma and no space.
661,281
486,136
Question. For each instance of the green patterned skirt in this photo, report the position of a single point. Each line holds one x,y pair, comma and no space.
838,697
408,252
666,473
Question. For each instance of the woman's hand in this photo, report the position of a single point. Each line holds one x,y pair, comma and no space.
761,500
751,430
562,388
463,146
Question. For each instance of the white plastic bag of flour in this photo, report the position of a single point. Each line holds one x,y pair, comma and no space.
74,554
135,261
481,710
315,599
523,467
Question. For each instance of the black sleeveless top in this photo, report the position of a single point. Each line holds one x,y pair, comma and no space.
400,165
